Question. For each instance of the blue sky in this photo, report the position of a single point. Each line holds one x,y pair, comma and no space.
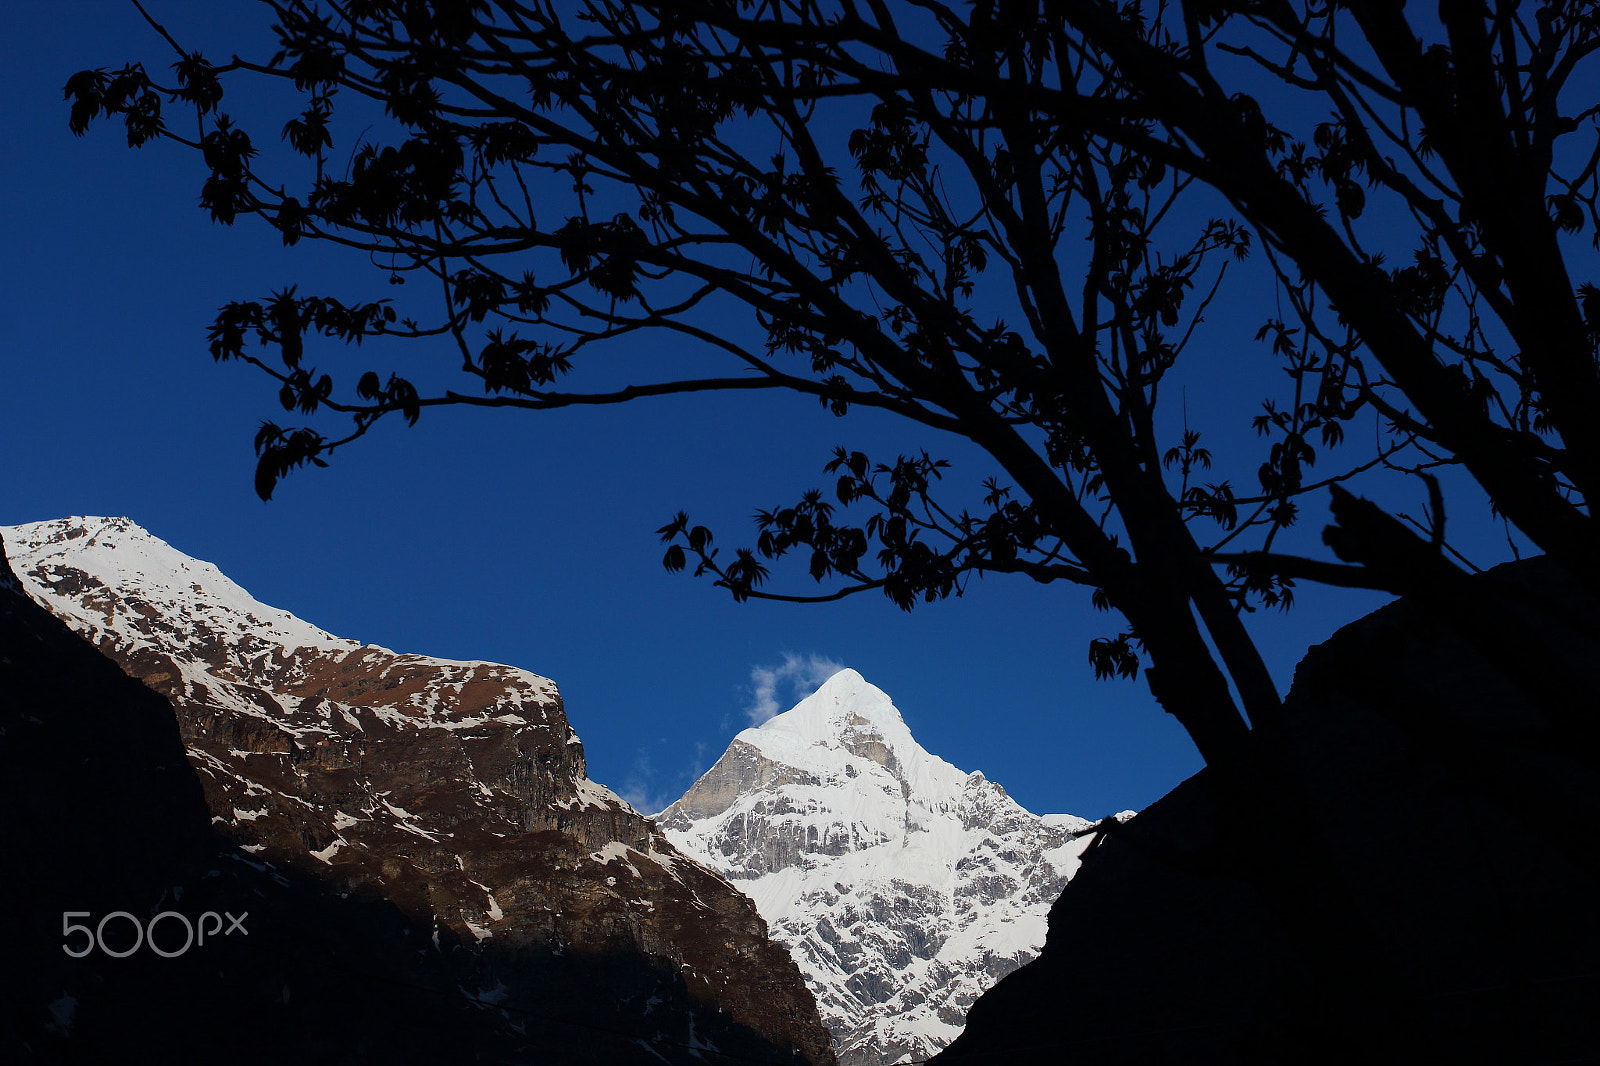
516,537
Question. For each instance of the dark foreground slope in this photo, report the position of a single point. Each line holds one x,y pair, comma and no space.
102,814
1411,875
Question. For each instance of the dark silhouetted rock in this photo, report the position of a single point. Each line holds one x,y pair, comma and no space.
1409,875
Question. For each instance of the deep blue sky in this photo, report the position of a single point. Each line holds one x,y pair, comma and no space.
522,538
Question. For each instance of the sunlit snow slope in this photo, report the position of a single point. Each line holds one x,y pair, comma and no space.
904,887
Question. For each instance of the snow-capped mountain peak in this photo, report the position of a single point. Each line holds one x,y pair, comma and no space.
903,886
844,700
122,555
847,723
118,584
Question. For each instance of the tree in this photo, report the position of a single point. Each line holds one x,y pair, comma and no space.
1004,220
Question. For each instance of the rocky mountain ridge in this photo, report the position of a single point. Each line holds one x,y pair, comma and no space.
454,790
903,886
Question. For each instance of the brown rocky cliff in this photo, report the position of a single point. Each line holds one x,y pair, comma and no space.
454,790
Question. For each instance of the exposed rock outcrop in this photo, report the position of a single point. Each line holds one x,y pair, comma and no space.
450,797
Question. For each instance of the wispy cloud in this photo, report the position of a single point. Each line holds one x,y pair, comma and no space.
637,788
772,689
647,795
795,678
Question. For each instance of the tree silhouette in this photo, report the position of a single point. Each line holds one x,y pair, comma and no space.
1004,220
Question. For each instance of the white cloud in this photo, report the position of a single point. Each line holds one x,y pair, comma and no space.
638,790
795,678
772,689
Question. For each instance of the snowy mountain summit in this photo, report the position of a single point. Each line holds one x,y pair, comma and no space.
903,886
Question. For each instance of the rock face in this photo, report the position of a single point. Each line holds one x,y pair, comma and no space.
452,793
1408,875
903,886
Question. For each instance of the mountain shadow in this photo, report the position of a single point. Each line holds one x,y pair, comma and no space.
1408,872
